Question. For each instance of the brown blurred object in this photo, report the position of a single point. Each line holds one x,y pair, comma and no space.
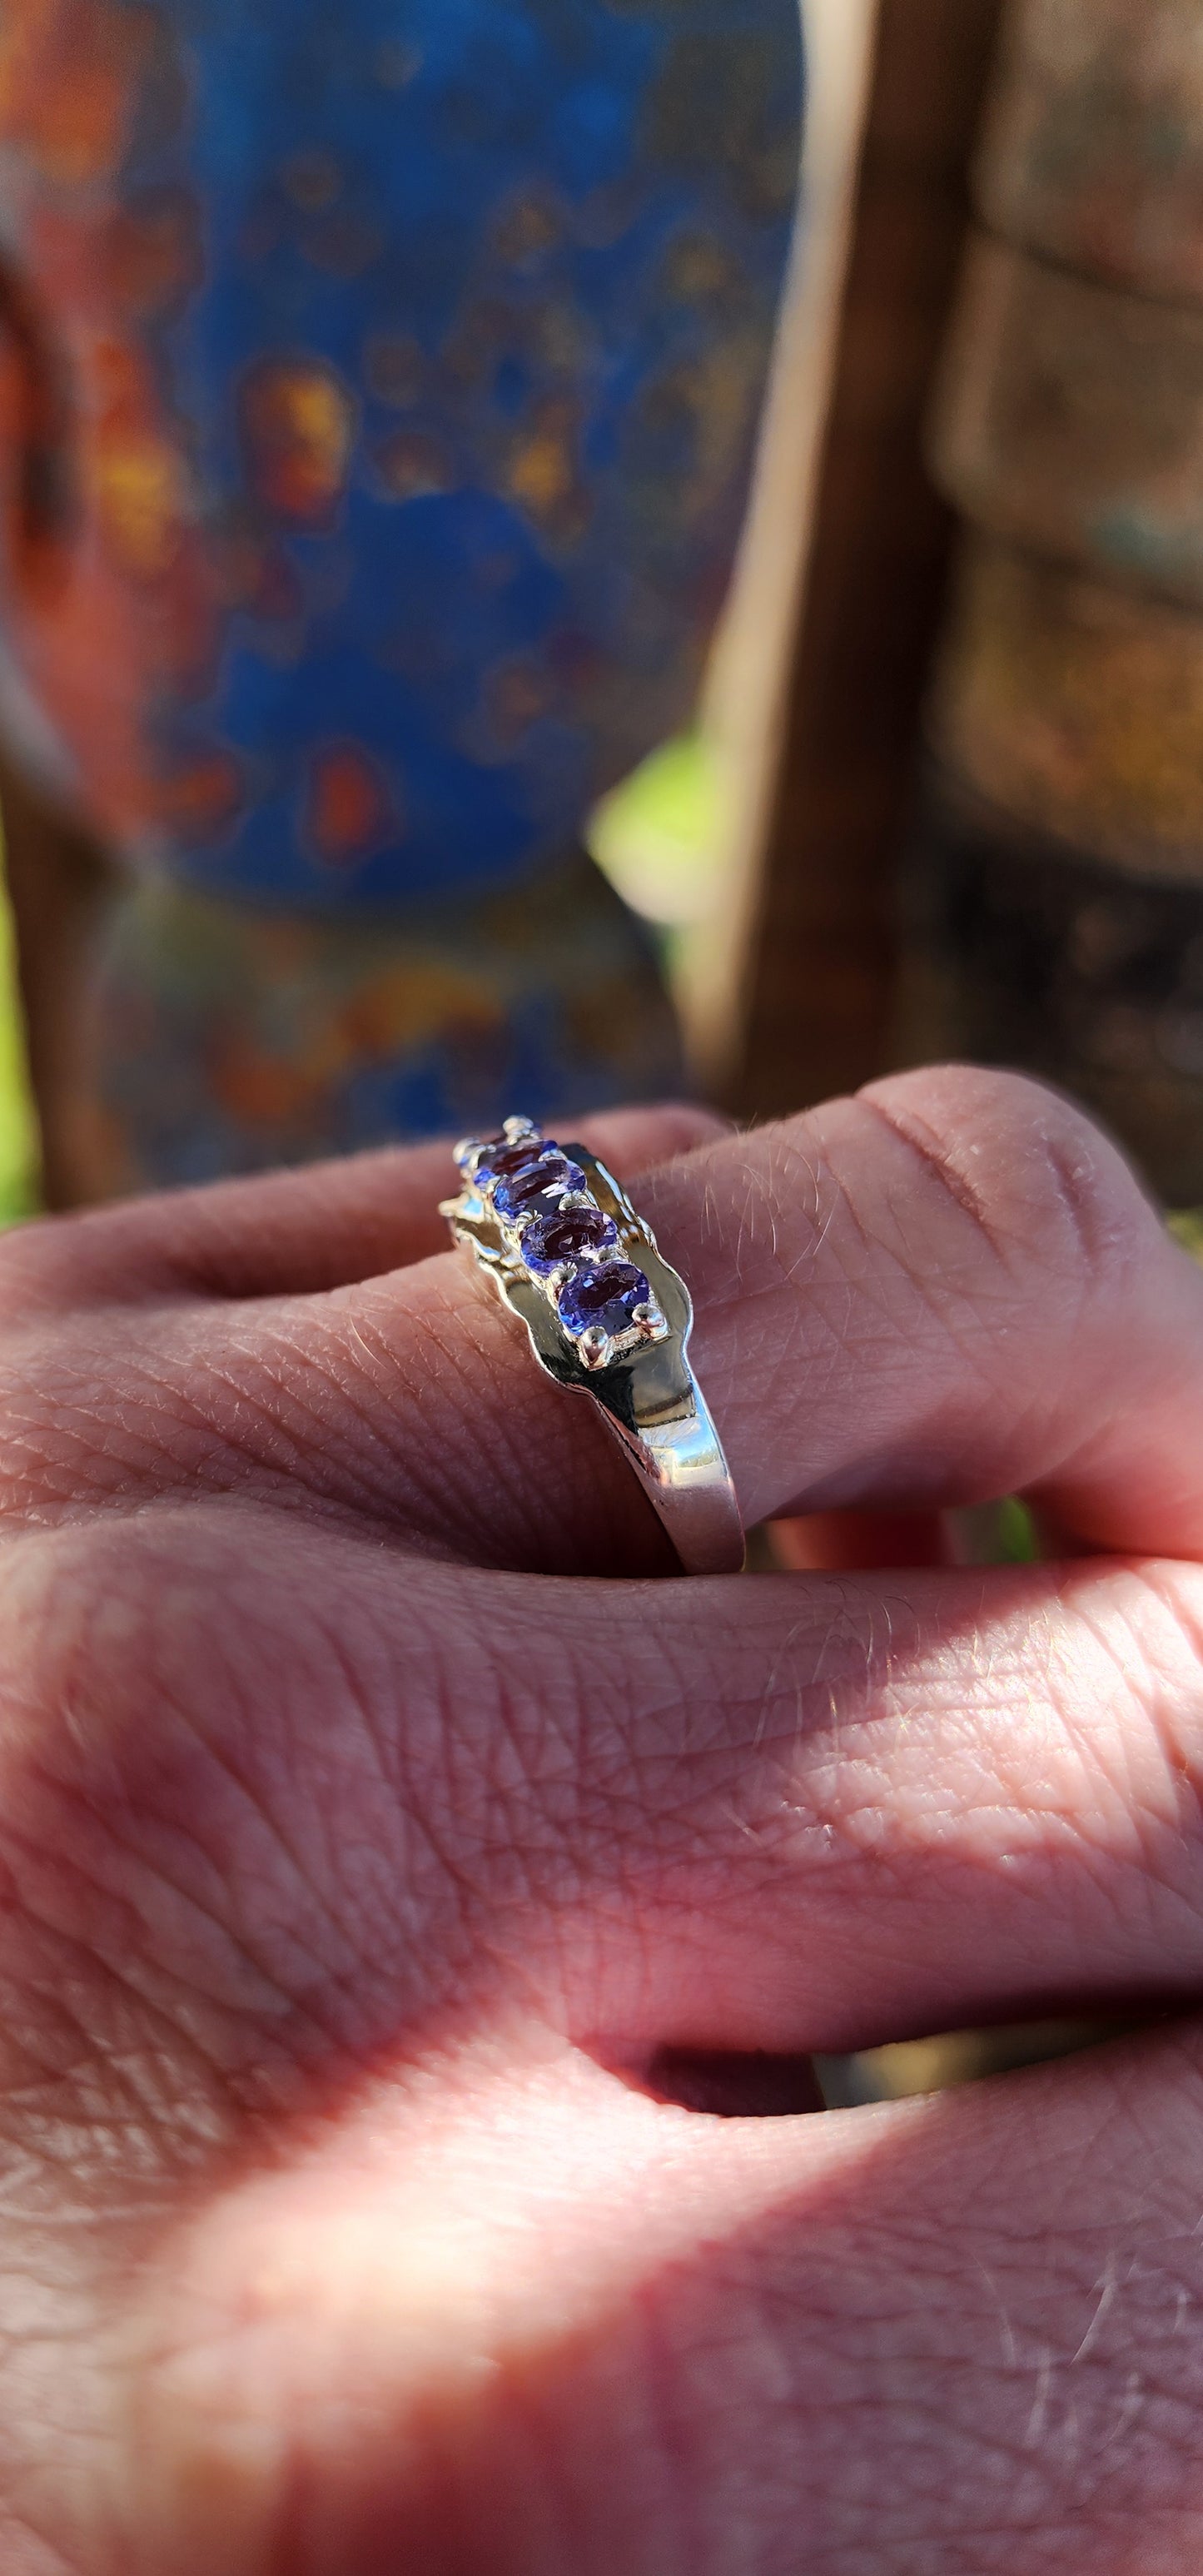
1071,419
1056,888
1093,150
840,1542
819,974
59,884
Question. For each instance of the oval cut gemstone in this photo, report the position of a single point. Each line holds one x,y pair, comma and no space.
604,1293
538,1186
552,1241
498,1157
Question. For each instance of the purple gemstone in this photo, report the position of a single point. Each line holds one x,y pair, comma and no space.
538,1187
554,1240
604,1293
498,1156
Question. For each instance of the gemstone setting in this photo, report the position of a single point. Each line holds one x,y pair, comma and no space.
545,1224
604,1297
575,1234
502,1161
536,1186
477,1157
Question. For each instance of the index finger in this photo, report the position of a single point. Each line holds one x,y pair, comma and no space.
292,1233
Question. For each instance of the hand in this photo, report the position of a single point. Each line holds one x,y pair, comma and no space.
361,1853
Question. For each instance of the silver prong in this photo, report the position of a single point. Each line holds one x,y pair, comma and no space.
575,1199
649,1320
594,1347
517,1130
465,1152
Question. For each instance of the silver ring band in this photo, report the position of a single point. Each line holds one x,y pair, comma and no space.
607,1317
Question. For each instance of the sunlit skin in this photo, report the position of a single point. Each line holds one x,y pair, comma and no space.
359,1848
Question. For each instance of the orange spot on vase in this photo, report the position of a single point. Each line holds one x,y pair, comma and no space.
203,797
135,472
351,812
543,471
139,503
410,1004
298,424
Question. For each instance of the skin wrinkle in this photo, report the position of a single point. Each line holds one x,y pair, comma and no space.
118,1975
66,1864
289,1439
75,1441
48,2041
340,1980
118,1960
140,1461
942,1164
490,1467
467,1473
115,1814
275,1453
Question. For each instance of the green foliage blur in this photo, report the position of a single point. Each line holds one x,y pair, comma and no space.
18,1125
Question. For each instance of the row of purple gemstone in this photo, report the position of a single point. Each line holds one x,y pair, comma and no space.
527,1183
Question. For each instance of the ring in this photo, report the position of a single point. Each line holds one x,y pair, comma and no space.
607,1317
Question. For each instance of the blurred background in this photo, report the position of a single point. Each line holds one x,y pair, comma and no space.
850,538
555,551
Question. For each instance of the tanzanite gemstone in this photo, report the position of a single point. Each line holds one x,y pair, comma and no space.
498,1155
553,1241
538,1186
604,1293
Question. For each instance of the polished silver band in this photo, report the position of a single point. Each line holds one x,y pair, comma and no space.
633,1362
677,1455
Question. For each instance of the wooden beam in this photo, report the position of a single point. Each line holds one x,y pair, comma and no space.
819,969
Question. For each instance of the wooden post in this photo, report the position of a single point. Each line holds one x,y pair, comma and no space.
817,973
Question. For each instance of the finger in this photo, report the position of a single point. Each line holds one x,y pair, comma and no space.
945,1290
948,1289
770,1815
294,1232
829,1816
956,2335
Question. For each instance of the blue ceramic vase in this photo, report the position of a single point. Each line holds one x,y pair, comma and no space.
396,371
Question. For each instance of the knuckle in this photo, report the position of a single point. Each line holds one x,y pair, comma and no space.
1044,1186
